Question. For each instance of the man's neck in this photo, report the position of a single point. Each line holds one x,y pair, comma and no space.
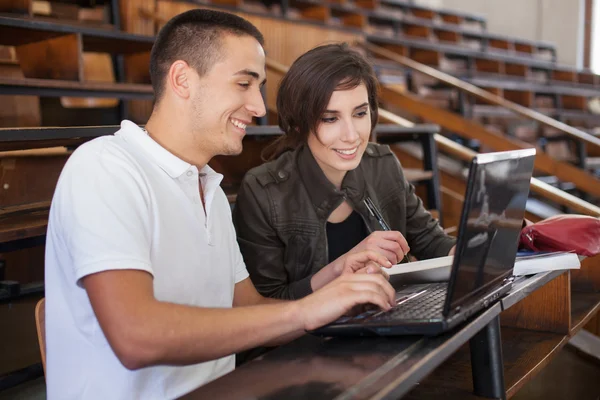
175,138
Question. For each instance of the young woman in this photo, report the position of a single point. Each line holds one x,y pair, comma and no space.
320,194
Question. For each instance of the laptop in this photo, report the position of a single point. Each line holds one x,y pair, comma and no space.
488,236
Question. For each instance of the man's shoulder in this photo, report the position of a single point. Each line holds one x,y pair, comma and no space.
101,154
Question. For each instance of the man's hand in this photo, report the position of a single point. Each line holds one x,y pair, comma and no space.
391,244
341,295
349,263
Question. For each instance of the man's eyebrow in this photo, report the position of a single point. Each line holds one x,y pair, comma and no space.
356,108
252,74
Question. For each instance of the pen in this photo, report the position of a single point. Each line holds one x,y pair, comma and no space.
379,217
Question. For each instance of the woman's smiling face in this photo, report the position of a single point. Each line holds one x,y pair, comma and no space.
343,133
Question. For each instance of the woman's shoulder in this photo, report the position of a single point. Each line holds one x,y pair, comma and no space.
380,161
378,156
273,171
376,150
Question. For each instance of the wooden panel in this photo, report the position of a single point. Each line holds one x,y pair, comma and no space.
587,278
368,4
133,21
394,48
516,69
452,204
18,110
15,6
566,76
316,13
25,265
284,40
231,3
18,336
584,306
448,36
547,309
524,48
416,31
57,58
429,57
523,98
594,325
574,102
492,66
423,13
525,354
22,183
273,79
137,68
234,168
354,20
587,78
500,44
496,91
97,67
452,19
452,188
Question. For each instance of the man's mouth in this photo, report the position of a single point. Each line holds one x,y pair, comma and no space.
237,123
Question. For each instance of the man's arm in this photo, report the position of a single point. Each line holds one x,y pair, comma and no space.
143,331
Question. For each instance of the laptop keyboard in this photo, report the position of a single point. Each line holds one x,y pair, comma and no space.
428,305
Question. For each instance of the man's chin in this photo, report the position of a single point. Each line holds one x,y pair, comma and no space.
233,151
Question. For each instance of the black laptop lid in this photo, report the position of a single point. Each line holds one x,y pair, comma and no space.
488,234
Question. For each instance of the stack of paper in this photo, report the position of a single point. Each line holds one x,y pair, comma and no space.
438,269
532,264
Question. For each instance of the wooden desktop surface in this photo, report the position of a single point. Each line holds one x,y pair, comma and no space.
357,368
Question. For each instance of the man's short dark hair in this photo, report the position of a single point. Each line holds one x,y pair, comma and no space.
195,37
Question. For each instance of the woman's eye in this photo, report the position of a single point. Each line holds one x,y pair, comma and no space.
360,114
244,84
329,120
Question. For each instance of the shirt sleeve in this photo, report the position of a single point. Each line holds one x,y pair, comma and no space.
102,211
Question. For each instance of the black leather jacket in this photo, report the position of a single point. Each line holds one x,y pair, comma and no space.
282,209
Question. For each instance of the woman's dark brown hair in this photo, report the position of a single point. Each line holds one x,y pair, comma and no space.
305,90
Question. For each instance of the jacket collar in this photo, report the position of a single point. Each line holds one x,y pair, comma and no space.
323,194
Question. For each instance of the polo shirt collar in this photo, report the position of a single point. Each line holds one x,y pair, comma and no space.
170,163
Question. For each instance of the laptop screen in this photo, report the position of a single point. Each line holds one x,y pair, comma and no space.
488,235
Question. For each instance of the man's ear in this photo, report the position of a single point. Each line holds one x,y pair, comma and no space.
178,79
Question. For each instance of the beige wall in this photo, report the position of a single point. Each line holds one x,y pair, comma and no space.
556,21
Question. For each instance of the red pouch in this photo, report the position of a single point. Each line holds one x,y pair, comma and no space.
577,233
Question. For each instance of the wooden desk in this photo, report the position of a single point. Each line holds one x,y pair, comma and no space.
361,368
325,368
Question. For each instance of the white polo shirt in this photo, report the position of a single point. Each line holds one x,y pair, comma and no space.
125,202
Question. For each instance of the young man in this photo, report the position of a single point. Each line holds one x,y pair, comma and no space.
147,295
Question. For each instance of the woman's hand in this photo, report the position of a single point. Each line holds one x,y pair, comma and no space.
364,262
391,244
